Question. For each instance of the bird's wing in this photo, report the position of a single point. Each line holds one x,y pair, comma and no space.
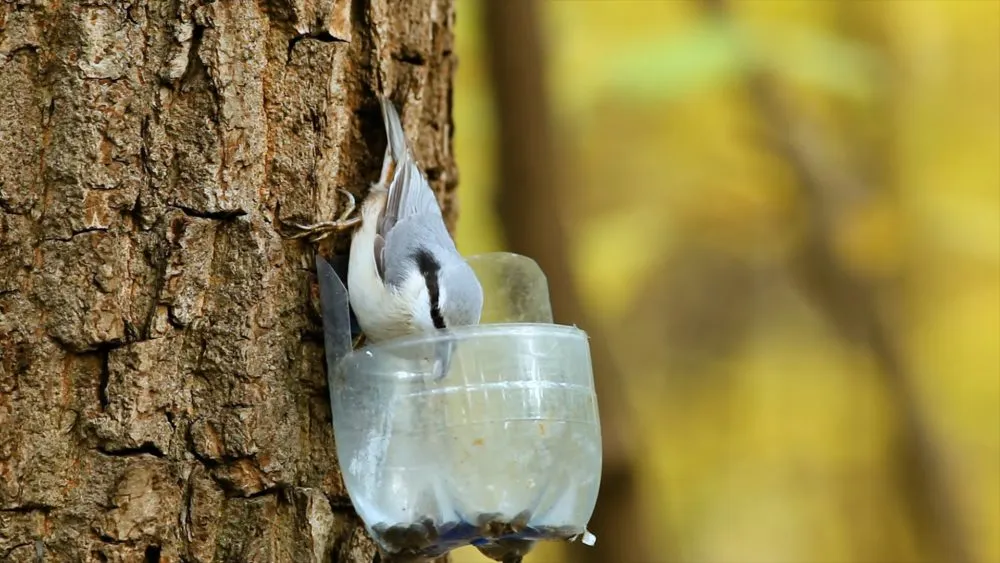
408,237
409,192
380,256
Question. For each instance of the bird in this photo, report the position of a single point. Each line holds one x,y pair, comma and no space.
405,274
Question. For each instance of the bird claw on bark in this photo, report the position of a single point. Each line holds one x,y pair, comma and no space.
319,231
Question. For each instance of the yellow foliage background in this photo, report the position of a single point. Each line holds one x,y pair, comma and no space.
762,433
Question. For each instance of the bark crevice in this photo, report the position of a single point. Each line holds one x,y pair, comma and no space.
157,398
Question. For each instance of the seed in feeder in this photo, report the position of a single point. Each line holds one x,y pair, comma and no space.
507,550
431,531
491,525
400,538
565,532
520,521
425,539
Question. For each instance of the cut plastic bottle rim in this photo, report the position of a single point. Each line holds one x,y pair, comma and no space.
472,332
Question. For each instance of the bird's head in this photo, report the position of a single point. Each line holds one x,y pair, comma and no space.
449,293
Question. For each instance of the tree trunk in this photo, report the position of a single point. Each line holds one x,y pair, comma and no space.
162,395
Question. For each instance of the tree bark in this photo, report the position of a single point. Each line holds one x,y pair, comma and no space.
162,395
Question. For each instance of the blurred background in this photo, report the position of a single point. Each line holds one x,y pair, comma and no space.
780,223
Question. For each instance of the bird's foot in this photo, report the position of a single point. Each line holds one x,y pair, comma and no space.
319,231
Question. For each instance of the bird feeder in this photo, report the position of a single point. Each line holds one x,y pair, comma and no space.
485,435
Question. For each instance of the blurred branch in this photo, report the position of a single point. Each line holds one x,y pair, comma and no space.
854,306
530,211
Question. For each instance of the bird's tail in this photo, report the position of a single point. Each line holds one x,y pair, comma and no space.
407,188
393,129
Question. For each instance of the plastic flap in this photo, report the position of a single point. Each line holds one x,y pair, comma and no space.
336,311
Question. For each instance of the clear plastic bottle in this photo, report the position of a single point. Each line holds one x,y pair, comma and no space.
474,434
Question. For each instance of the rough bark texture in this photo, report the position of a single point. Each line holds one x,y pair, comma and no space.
162,392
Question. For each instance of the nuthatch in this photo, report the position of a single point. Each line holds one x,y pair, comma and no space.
405,274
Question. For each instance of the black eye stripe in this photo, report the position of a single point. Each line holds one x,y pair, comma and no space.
429,269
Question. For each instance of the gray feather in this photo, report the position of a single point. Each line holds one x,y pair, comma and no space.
414,233
409,192
380,256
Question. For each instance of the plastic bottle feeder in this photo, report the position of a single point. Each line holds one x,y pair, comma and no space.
485,435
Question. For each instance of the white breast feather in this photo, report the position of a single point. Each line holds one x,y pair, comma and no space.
381,312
